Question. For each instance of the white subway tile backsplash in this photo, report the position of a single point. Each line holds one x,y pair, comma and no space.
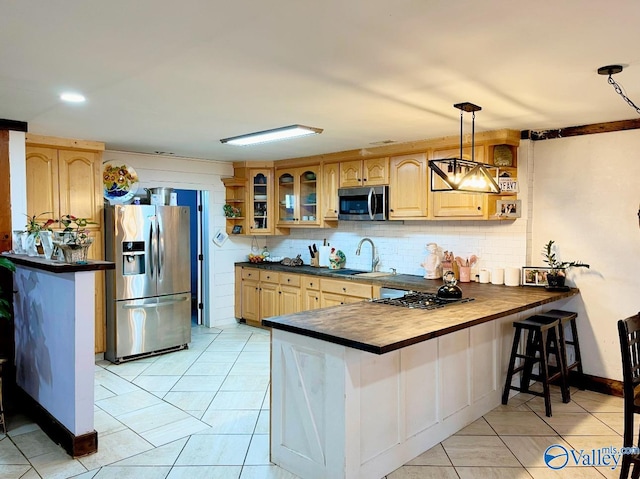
403,246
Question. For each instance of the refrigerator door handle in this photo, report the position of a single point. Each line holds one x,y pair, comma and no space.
155,304
160,245
152,267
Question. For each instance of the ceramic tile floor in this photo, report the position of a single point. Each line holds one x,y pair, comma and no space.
203,413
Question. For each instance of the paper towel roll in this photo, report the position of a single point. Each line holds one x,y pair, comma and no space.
497,276
323,258
484,276
512,276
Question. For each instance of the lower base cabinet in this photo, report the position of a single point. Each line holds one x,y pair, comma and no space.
265,293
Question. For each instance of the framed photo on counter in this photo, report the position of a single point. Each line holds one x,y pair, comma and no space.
535,276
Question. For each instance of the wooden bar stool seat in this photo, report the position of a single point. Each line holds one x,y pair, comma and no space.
541,334
570,318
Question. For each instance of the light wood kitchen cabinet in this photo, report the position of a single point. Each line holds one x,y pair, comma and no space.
250,300
334,292
408,187
297,191
456,205
260,206
330,185
369,172
310,293
64,176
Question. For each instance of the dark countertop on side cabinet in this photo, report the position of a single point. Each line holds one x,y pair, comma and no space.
380,328
54,266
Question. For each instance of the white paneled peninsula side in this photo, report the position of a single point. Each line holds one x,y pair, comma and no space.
54,307
359,390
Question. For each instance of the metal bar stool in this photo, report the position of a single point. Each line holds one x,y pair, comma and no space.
540,334
569,317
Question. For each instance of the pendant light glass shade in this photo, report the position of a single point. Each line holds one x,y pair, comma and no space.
458,174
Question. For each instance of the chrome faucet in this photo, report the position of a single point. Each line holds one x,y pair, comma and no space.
374,259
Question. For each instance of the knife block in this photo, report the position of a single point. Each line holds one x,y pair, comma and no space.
315,262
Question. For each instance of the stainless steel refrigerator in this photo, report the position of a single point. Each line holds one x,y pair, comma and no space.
148,293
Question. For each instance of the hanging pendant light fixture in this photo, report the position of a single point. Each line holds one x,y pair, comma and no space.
612,70
458,174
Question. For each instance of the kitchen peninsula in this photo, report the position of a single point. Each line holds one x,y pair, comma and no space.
54,306
360,389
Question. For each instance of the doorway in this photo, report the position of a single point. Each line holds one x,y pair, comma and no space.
194,200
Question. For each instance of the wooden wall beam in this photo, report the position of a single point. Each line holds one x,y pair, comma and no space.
537,135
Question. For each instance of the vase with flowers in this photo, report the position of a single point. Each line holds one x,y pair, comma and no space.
557,273
37,239
74,240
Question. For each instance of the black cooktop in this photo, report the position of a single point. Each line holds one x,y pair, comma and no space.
419,300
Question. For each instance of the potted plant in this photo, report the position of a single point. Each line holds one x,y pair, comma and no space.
74,240
557,273
37,232
5,305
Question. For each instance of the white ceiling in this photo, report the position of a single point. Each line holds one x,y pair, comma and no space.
176,76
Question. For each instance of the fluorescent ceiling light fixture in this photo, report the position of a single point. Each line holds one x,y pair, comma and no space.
72,97
277,134
459,174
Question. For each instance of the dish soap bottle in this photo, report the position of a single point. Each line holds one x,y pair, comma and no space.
265,253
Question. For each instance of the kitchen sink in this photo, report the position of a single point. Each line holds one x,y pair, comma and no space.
374,274
347,272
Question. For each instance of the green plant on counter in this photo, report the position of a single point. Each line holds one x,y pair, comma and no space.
35,227
5,305
558,267
75,230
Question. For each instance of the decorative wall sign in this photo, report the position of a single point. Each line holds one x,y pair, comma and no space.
508,185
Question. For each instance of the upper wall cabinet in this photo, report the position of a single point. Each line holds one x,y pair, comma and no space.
456,205
297,191
260,217
330,184
61,182
408,187
369,172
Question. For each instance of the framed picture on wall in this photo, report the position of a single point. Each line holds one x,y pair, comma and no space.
535,276
508,208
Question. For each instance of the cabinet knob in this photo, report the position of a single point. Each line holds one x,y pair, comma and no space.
335,211
391,210
288,280
364,179
344,289
479,208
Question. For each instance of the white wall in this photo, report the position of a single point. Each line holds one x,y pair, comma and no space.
193,174
586,196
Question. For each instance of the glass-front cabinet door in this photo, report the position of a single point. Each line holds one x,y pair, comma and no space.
308,180
260,209
298,196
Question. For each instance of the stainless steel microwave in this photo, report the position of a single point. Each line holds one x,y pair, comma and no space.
369,203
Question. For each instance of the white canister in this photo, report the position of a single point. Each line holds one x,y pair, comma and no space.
483,276
512,276
173,199
157,199
497,276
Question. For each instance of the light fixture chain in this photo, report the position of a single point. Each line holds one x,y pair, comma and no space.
619,91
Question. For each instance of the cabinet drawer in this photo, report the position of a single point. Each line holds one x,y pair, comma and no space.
311,282
250,273
348,288
269,276
290,279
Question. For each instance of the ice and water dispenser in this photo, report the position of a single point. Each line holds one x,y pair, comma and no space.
133,257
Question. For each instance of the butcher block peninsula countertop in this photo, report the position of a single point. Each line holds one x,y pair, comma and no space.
381,328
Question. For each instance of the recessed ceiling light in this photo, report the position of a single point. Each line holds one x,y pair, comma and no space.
283,133
72,97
